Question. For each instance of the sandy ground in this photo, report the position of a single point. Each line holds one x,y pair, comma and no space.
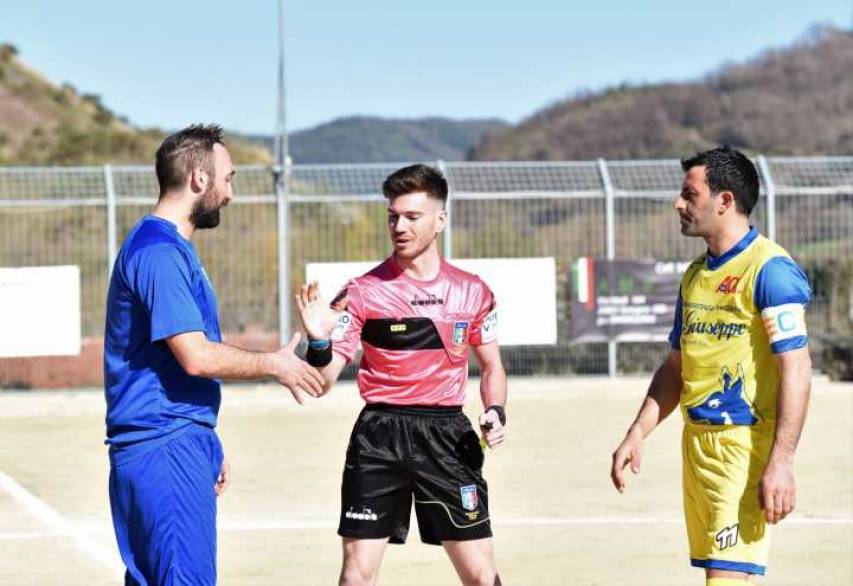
557,520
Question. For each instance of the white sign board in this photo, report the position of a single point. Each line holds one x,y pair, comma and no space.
525,289
39,311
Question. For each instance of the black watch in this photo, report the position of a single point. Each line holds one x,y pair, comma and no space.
500,411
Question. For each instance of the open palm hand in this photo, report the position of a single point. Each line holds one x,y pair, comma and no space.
318,318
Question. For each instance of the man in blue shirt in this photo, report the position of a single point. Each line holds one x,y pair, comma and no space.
163,356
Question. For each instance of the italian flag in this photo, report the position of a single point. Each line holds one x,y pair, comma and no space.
583,278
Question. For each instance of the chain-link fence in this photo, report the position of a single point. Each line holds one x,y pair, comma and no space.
565,210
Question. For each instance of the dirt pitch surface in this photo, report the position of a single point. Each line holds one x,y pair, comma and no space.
556,517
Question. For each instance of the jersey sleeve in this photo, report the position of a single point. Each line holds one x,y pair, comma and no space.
781,293
675,333
484,328
163,283
347,333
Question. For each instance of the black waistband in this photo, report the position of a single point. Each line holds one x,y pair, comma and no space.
422,410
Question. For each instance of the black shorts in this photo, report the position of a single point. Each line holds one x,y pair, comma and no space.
396,453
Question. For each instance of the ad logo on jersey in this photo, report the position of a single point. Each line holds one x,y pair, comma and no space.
460,332
729,285
720,330
469,497
489,329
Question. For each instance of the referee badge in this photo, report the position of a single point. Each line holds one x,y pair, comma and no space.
469,497
460,332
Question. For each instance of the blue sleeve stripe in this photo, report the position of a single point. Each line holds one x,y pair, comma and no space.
675,340
675,333
789,344
780,281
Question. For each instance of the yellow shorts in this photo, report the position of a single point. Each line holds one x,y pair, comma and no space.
721,468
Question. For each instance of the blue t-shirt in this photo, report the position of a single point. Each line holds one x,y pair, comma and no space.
158,289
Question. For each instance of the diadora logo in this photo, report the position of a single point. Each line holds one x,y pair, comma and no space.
365,515
729,285
430,300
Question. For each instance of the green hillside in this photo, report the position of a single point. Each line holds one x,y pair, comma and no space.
792,101
42,124
366,139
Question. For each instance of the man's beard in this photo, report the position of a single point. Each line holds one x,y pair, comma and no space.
205,212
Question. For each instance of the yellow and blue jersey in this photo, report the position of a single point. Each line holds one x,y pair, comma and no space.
734,312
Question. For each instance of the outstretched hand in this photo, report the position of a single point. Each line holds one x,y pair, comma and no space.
317,317
294,373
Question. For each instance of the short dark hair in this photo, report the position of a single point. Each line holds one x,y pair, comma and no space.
728,169
185,150
416,178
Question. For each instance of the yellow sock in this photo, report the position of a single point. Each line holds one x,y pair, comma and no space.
724,582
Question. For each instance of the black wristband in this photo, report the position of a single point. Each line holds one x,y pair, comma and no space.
319,354
500,411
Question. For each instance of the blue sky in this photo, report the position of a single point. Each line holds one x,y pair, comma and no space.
170,63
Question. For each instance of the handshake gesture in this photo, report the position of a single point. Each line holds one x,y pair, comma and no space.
319,320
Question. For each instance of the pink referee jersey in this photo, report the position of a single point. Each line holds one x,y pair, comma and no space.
415,334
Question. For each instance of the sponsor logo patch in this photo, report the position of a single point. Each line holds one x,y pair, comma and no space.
429,300
469,497
397,328
729,285
472,516
344,321
720,330
489,329
460,332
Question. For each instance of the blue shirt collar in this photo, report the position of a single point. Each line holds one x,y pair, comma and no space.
169,224
716,262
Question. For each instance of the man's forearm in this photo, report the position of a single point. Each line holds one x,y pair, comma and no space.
218,360
791,403
493,386
332,371
662,398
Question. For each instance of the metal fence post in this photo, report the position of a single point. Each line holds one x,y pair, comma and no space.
770,187
282,191
448,227
112,238
610,246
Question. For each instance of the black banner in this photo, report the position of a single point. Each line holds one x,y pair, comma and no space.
623,300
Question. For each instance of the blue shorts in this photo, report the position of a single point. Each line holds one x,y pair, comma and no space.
164,507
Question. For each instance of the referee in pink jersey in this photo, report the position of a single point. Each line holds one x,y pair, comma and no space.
416,316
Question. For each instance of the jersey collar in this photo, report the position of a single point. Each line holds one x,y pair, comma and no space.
716,262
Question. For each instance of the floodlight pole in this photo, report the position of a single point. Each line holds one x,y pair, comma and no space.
281,175
610,248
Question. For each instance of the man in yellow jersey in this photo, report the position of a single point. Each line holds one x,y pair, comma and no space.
740,368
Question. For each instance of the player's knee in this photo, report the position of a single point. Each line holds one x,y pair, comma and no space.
485,575
356,575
